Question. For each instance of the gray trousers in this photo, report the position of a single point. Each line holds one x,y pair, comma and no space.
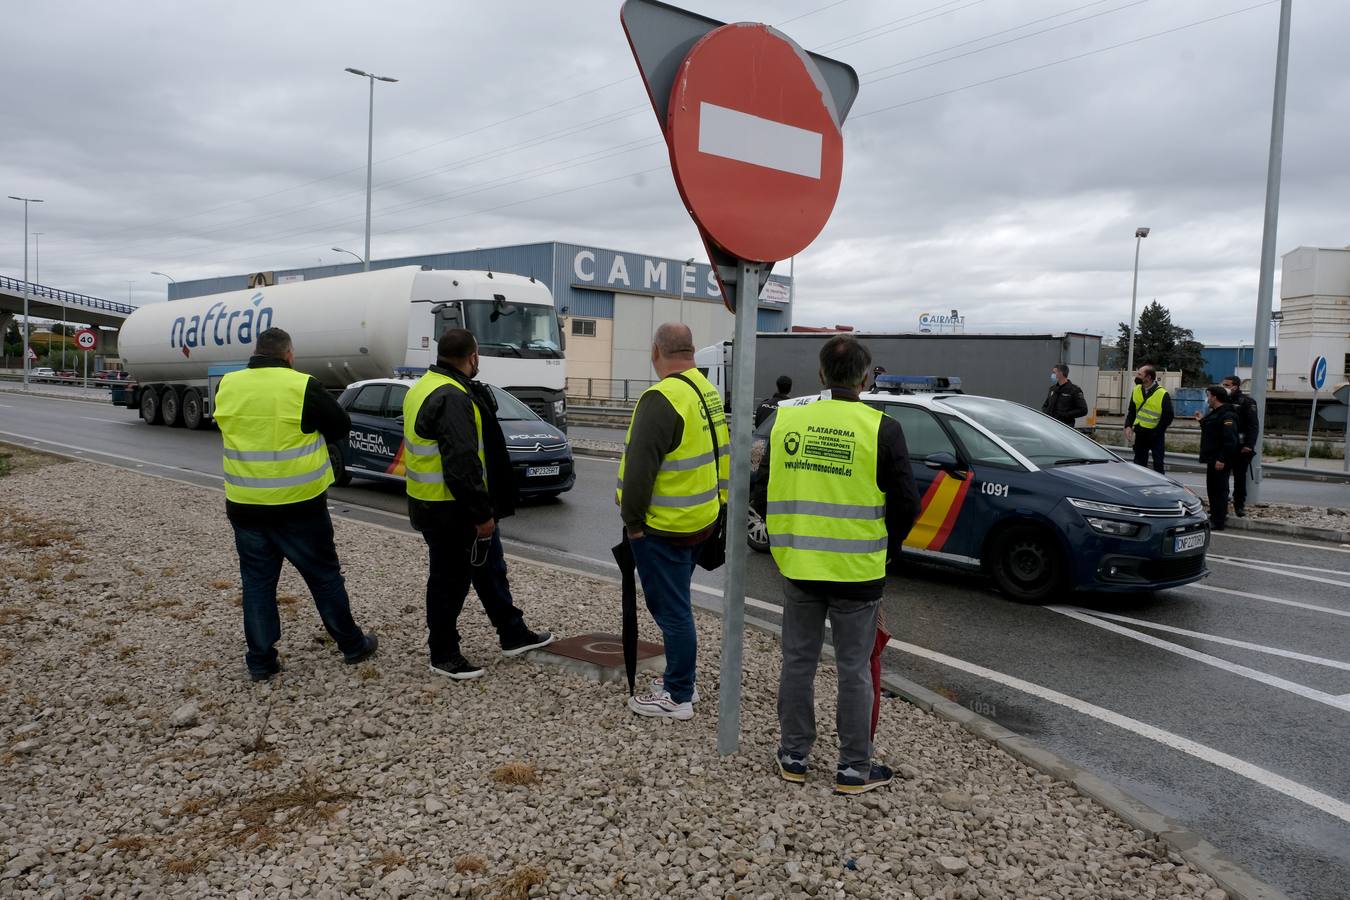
854,627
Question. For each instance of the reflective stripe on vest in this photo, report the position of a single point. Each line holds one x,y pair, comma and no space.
267,459
1147,413
691,484
423,476
826,517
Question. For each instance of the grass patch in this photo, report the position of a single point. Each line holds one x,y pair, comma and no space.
389,861
470,865
515,773
221,584
132,843
16,460
265,762
367,672
127,652
182,867
305,803
516,886
117,699
13,615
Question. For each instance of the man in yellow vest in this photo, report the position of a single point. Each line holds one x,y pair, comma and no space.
835,488
671,487
459,483
1146,420
276,425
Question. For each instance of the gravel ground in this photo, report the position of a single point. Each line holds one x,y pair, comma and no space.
1311,516
136,759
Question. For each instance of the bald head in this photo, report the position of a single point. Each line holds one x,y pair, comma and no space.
672,349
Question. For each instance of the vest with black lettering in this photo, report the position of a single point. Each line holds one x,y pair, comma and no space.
268,460
826,516
1148,413
423,475
691,484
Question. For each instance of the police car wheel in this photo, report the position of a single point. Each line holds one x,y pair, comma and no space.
757,533
341,477
1026,564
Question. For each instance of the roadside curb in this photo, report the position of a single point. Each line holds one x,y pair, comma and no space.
1238,882
596,453
53,395
1287,530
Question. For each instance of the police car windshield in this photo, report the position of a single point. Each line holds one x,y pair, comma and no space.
1037,437
510,409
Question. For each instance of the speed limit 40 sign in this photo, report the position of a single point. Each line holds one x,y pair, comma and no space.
87,339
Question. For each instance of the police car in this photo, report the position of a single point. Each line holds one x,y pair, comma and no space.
541,456
1028,500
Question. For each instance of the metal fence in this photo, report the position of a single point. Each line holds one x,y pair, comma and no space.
605,391
67,297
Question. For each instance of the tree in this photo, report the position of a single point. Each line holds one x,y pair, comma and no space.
1164,345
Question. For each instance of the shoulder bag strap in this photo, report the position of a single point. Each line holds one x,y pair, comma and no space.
712,429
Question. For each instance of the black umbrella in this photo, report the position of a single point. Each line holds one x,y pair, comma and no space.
623,555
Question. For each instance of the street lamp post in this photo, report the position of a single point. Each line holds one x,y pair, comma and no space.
370,150
37,278
357,255
1139,235
26,287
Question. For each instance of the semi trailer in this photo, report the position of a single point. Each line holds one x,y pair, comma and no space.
346,328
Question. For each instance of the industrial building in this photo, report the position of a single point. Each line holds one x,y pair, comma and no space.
609,301
1315,320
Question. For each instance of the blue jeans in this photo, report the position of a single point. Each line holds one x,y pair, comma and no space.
448,580
307,543
666,570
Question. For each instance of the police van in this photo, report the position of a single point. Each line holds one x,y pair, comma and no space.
541,456
1033,503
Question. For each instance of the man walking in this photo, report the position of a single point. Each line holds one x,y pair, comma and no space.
671,487
1219,444
1065,400
837,493
459,483
275,425
1147,418
1249,432
767,406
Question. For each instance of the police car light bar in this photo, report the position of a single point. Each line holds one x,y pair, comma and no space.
917,384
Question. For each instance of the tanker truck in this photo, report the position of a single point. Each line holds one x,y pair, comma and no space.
345,328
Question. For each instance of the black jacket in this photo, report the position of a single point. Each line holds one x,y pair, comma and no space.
446,417
1248,417
1065,402
1167,414
320,413
894,478
766,408
1219,435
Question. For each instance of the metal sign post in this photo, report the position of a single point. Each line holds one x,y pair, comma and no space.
1342,394
752,122
1317,378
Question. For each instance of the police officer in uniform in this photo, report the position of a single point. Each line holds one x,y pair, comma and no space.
459,483
276,424
1249,431
1147,418
769,404
671,487
1219,447
836,491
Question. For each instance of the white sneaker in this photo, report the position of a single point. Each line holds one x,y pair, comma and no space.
659,686
659,705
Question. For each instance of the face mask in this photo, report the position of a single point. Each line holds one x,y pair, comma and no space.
1053,378
1138,380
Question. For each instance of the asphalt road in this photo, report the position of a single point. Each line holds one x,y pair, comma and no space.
1224,704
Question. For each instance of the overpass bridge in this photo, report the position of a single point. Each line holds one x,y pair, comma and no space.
53,303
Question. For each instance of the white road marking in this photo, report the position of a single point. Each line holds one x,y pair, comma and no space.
732,134
1285,572
1231,642
1246,537
1266,678
1264,777
1295,603
1282,565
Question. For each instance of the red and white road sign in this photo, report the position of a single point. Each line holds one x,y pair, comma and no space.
87,339
755,142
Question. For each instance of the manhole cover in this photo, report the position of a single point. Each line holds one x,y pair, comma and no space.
601,649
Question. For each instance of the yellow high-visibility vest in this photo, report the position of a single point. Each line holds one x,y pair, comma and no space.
423,476
268,460
826,516
1148,413
691,485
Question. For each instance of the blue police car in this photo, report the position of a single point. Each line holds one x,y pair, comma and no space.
541,456
1038,506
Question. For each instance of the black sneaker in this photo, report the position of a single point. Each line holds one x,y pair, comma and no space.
458,668
528,640
791,768
372,643
1240,512
848,780
265,676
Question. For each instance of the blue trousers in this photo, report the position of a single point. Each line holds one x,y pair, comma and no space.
666,570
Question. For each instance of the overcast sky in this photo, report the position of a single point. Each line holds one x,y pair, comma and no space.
218,137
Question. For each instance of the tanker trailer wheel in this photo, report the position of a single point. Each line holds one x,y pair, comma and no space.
171,407
192,409
150,405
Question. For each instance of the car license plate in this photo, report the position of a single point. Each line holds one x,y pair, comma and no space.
536,471
1186,542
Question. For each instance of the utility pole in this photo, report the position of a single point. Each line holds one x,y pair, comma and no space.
370,150
27,288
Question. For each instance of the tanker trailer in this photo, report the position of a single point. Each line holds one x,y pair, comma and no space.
345,328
